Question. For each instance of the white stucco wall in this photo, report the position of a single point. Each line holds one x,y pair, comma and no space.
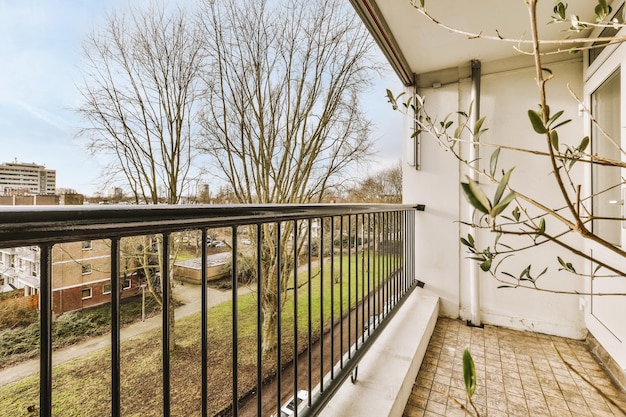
506,95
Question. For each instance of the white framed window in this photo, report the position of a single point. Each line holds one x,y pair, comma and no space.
87,245
106,288
126,284
86,293
86,269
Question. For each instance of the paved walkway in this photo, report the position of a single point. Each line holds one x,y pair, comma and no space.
187,293
518,374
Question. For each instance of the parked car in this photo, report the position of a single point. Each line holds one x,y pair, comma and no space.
219,244
288,409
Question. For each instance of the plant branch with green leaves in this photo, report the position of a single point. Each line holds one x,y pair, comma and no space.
512,212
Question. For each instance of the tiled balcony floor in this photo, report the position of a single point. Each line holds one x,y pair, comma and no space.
518,374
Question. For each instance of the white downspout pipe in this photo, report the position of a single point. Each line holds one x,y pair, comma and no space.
473,267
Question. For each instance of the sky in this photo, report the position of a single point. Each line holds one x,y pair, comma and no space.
40,59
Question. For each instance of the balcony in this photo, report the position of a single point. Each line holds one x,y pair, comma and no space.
346,270
362,330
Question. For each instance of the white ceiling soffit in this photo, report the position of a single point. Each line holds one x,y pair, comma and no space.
413,44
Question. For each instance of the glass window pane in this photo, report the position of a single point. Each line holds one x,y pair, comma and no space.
606,108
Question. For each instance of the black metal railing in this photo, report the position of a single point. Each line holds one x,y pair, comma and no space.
337,274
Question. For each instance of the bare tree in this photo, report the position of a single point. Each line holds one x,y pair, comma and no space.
283,121
141,96
141,92
384,186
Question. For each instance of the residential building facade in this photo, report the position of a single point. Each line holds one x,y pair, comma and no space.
18,178
81,276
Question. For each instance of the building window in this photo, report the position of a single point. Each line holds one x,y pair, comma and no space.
106,289
87,245
86,269
126,284
85,293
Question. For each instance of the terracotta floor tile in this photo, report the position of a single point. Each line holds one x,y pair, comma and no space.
519,374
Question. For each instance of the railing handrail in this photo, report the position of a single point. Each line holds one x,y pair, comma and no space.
34,225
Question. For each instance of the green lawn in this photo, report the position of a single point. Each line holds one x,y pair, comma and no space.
81,387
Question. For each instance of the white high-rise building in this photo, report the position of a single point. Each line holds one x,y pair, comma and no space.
26,179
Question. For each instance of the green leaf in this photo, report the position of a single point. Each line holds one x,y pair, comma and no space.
391,99
583,144
602,10
493,162
485,266
537,122
516,213
478,125
458,131
562,123
466,243
479,193
542,226
469,373
553,118
554,140
473,199
499,208
525,274
560,10
502,186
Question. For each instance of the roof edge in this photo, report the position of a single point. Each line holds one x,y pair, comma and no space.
375,23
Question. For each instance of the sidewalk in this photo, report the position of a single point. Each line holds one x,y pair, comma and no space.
188,293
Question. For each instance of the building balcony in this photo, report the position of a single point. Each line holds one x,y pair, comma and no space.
352,328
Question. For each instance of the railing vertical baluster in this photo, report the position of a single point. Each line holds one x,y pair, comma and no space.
295,312
235,323
387,260
332,297
116,295
45,332
369,274
165,289
376,265
356,281
204,323
341,291
396,275
321,266
310,315
349,286
363,284
278,317
259,321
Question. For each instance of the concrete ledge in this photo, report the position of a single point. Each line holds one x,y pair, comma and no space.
388,370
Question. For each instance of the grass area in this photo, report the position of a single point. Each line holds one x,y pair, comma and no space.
81,387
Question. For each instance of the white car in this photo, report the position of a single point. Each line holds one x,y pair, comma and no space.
288,409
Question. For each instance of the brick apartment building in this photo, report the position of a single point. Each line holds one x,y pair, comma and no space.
80,274
80,270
